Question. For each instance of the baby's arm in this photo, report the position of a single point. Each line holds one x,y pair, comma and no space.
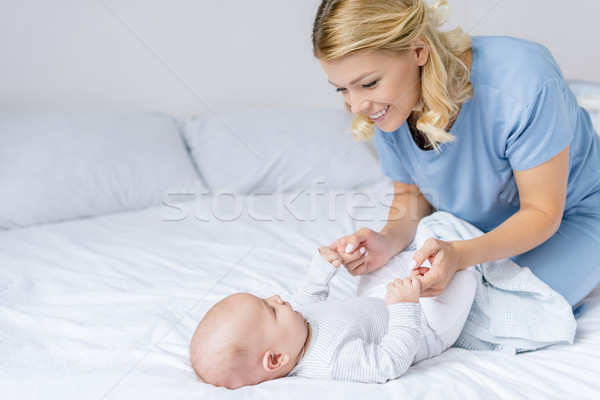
362,361
315,286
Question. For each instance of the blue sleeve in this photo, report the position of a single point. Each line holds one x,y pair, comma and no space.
391,163
544,130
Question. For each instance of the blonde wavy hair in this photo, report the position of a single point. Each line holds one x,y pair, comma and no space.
344,27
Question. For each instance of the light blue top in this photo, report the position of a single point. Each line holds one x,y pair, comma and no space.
522,114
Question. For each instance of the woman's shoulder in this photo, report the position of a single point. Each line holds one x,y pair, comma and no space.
517,68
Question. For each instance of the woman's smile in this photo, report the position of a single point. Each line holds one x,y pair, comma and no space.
379,116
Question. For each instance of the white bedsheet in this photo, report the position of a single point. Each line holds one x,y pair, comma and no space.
104,308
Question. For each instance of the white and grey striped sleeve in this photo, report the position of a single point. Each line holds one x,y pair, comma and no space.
314,287
361,361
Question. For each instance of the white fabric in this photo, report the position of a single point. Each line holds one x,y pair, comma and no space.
280,149
59,166
105,308
357,339
588,97
443,316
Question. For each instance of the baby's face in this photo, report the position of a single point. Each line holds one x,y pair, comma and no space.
269,331
285,330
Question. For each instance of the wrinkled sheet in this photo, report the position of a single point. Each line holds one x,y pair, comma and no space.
104,308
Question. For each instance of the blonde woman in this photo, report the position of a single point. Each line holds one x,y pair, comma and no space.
485,128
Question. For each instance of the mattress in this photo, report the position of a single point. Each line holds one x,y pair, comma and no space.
105,307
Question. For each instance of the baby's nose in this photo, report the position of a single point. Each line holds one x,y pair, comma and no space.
277,298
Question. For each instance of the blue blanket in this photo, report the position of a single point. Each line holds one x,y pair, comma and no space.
513,311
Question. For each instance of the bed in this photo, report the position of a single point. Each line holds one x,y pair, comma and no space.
120,230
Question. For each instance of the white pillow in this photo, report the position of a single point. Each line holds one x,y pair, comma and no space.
280,149
588,96
60,166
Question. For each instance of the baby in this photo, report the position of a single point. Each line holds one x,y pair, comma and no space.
245,340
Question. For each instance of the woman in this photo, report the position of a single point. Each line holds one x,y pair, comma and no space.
485,128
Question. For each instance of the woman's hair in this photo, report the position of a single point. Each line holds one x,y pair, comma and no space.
344,27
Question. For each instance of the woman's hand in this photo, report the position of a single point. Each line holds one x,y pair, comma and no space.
363,251
444,259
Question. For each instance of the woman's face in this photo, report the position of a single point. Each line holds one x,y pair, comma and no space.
384,86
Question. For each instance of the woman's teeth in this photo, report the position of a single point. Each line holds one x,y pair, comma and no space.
380,113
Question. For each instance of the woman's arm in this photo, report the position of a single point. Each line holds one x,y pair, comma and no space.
542,194
407,208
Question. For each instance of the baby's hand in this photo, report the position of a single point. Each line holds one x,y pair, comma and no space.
403,290
330,256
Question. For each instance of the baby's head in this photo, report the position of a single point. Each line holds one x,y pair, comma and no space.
244,340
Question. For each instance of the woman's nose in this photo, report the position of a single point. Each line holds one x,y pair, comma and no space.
358,104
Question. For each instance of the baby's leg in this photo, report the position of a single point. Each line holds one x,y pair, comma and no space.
447,313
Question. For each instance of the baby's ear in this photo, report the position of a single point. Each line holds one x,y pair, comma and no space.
272,361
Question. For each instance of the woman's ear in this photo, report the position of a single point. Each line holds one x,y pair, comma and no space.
421,51
272,360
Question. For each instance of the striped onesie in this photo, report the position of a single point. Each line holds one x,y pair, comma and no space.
356,339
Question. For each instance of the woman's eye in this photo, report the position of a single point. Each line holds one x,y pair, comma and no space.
367,86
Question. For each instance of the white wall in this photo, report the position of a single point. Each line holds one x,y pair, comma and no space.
191,56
